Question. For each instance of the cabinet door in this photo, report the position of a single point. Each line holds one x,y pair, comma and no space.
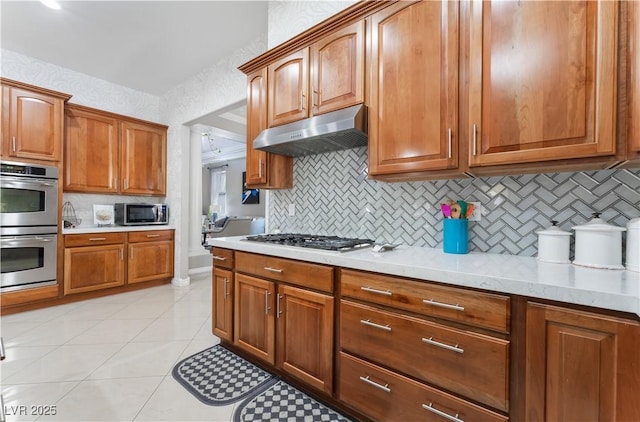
337,69
634,79
150,261
144,159
223,303
542,80
264,170
414,73
91,152
93,268
35,125
288,87
305,336
254,321
581,366
256,123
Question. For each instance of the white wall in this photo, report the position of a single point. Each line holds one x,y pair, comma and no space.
210,90
86,90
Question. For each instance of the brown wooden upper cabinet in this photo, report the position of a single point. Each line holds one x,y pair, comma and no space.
109,153
542,81
634,80
337,69
91,151
326,76
32,121
144,159
413,110
264,169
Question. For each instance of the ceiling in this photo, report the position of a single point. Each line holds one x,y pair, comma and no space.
149,46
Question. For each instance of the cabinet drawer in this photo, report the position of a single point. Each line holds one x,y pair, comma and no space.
388,396
150,236
305,274
91,239
222,257
483,310
471,364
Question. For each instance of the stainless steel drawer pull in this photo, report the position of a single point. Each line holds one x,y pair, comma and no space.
275,270
376,291
219,258
266,303
432,409
450,135
97,239
374,325
431,341
475,138
2,355
278,310
375,384
153,235
226,289
432,302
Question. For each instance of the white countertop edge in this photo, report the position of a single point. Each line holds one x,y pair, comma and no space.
105,229
616,290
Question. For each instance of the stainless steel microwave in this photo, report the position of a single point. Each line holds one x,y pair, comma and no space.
140,214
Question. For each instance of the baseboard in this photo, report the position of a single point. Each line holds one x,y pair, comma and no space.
181,282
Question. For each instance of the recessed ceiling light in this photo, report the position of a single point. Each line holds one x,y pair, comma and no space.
51,4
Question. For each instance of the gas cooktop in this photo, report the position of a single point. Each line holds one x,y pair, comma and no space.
330,243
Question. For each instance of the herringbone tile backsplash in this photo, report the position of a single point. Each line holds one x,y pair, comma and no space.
333,196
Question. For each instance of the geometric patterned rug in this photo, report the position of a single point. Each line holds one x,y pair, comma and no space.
283,403
217,376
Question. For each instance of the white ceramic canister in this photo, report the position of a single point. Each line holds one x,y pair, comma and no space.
553,244
633,245
599,244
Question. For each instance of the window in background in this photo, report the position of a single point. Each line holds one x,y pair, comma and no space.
218,205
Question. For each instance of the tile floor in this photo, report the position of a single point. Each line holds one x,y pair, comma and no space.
109,359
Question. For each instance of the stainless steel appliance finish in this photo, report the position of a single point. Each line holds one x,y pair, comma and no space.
336,130
27,260
29,195
139,214
28,225
330,243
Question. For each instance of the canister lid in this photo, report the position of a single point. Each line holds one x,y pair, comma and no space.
599,225
634,223
554,230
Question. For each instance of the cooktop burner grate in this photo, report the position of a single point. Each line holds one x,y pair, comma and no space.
330,243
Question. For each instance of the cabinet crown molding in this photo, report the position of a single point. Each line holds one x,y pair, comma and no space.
349,15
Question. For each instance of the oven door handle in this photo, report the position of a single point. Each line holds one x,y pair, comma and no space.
16,181
26,240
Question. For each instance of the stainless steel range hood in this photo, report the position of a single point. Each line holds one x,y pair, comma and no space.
336,130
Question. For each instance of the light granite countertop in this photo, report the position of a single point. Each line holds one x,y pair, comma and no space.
105,229
617,290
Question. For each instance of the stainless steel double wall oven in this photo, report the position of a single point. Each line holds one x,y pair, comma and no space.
28,225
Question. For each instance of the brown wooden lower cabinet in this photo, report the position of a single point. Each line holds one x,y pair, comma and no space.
288,327
222,300
397,361
254,319
104,260
384,395
305,336
150,255
93,261
473,365
581,366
